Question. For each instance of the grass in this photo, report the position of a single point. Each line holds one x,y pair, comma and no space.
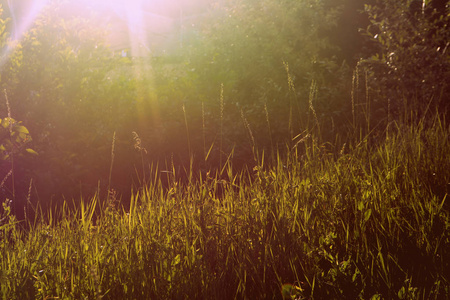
369,221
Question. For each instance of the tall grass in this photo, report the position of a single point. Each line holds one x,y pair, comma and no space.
10,128
370,221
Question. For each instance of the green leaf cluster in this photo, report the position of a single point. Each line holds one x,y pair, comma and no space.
411,63
13,138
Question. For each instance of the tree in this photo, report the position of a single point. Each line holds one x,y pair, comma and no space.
248,46
410,68
62,82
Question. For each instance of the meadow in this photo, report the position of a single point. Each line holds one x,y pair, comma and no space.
369,220
279,152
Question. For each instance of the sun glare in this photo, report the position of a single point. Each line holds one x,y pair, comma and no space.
22,15
142,26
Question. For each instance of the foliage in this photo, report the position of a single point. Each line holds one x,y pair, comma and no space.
261,171
411,65
13,137
360,223
73,93
66,85
247,48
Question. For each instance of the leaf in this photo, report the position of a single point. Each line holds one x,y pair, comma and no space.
367,214
176,260
22,129
360,205
402,293
209,151
6,122
23,138
31,151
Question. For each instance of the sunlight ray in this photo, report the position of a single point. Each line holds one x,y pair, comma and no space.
23,14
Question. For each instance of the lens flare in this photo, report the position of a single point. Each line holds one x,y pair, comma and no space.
22,14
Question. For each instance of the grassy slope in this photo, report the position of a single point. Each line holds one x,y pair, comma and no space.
369,221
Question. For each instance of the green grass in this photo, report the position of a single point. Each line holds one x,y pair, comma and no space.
368,222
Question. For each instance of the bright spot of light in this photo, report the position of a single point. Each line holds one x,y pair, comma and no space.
142,26
22,14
